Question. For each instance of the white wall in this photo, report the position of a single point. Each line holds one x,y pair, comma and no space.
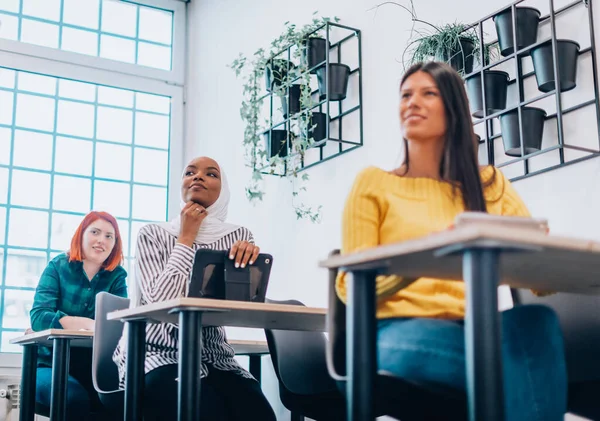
220,29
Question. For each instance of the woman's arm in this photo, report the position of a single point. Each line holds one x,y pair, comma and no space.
45,313
160,277
119,287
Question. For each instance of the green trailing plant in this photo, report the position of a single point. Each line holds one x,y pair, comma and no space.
284,70
443,43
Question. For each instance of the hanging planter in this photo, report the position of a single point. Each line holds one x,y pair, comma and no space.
459,56
294,101
276,141
496,87
338,81
543,65
314,52
533,130
319,132
528,19
276,72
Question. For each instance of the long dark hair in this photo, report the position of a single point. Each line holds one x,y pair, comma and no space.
459,164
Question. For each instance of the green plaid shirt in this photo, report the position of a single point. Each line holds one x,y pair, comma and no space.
64,290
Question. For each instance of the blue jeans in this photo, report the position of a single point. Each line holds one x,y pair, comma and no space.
431,352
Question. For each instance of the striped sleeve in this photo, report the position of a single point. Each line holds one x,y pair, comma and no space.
161,277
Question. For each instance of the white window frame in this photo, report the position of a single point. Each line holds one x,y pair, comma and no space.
64,64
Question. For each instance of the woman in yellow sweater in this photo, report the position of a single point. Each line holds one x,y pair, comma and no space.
420,335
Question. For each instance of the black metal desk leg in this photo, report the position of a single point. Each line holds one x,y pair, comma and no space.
134,377
483,335
28,379
60,373
256,366
361,350
190,358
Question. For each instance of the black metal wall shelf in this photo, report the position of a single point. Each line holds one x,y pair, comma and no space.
322,102
488,118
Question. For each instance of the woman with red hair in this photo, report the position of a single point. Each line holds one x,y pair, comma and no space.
65,298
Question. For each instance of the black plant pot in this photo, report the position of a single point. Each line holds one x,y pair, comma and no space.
277,143
461,58
276,72
543,65
338,81
320,131
315,52
496,87
294,101
527,23
533,130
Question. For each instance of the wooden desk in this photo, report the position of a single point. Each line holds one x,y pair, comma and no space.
61,342
191,314
483,256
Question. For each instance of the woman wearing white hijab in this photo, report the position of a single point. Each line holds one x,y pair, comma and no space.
165,254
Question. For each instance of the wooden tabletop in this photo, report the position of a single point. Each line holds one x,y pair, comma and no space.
79,338
551,263
231,313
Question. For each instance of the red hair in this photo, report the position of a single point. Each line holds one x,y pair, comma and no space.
116,255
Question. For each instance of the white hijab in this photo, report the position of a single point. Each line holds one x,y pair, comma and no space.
213,227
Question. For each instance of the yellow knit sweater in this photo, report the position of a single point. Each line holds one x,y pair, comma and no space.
383,208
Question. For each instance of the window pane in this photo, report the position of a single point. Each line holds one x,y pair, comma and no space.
155,25
119,18
3,184
30,189
152,55
72,194
151,130
114,96
75,118
33,150
119,49
6,346
63,229
2,232
40,33
10,5
9,28
73,156
7,76
149,203
28,228
45,9
78,41
77,90
37,83
112,198
35,112
154,103
136,226
6,107
81,13
24,267
5,135
124,230
114,125
17,305
113,161
150,166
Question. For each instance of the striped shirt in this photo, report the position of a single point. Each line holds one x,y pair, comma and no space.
163,269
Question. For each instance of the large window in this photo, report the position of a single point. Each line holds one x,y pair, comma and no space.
112,29
75,137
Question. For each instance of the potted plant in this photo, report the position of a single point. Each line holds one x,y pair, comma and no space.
281,77
533,130
339,74
543,64
496,88
528,19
